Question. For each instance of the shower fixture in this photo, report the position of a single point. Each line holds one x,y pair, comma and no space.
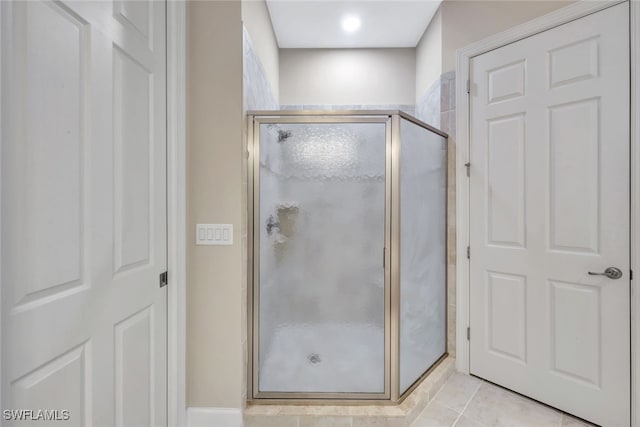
283,135
271,224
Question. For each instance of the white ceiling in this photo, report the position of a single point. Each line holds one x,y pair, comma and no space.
317,23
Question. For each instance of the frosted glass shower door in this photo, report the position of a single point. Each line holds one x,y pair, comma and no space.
423,204
321,280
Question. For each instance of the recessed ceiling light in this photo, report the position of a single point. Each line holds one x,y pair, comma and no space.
350,23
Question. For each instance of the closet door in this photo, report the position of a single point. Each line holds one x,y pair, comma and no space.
83,206
549,209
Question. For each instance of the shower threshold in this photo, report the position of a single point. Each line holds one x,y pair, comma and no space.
387,413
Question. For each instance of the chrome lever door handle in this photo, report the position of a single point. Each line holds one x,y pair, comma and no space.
611,272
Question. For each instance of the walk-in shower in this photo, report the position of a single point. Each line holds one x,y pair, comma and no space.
347,238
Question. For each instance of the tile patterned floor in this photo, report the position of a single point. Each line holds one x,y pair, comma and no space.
466,401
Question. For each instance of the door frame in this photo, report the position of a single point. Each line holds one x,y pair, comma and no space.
564,15
1,87
176,45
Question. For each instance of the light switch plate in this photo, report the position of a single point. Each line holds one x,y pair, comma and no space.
214,234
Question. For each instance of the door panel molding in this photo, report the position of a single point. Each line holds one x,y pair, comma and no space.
562,16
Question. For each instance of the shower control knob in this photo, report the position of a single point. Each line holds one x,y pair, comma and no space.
611,273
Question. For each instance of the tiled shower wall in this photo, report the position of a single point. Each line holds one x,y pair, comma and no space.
437,107
257,92
428,106
409,109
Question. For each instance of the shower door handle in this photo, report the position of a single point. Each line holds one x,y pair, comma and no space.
384,257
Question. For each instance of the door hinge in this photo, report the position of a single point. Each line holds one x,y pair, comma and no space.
384,257
468,166
630,274
468,334
468,252
468,86
164,279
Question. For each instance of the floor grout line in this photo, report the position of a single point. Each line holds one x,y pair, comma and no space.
481,382
439,391
432,399
467,405
526,399
454,409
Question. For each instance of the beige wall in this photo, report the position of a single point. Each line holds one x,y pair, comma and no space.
215,367
465,22
347,76
257,21
429,56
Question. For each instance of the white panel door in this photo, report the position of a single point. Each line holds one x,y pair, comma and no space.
83,208
549,203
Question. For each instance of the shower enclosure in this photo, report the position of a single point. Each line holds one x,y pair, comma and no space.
347,265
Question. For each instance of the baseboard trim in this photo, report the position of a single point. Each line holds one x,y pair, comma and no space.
214,417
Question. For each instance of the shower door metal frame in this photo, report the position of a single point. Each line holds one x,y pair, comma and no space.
391,119
254,263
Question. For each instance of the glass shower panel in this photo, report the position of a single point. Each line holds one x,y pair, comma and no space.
321,276
423,195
